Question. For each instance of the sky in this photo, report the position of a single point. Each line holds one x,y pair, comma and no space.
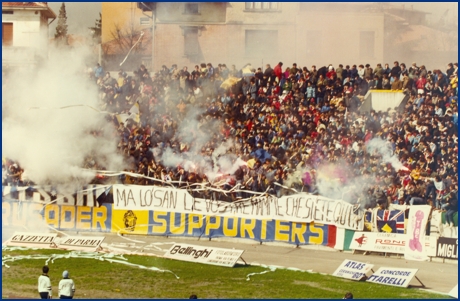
81,15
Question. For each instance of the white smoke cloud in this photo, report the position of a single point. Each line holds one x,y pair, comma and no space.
336,181
296,176
383,148
25,217
197,132
221,161
331,180
51,142
171,159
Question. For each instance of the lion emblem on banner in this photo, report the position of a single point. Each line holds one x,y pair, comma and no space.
129,219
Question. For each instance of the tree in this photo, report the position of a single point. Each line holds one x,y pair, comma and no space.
61,28
97,30
128,42
125,38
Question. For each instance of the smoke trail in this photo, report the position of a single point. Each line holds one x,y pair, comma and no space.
383,148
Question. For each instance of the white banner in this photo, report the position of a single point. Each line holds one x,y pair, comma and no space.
393,276
32,240
388,243
206,255
83,243
353,270
415,231
454,292
302,207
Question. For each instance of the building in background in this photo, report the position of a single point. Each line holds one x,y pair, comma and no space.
25,33
340,33
190,33
122,25
410,38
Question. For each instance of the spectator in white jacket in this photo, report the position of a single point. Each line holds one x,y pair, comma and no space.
44,284
66,287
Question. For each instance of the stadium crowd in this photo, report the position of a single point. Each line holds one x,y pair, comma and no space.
285,121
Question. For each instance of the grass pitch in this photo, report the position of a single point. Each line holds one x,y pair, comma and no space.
102,279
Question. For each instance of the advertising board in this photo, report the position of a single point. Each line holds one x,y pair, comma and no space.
206,255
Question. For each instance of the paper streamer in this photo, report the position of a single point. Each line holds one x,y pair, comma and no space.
120,249
275,267
110,257
270,269
119,258
133,240
142,34
285,187
170,183
135,175
71,106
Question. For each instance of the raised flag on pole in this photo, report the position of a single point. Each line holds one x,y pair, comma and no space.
122,118
134,113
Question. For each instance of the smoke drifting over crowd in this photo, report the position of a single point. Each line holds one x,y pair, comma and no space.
383,148
50,140
53,127
50,129
191,153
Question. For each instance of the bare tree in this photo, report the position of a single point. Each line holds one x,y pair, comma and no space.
125,38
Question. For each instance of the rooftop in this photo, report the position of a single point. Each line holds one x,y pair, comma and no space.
25,4
43,6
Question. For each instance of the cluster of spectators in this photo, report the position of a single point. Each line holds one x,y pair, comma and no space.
11,173
282,120
285,123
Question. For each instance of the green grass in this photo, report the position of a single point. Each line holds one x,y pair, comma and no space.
101,279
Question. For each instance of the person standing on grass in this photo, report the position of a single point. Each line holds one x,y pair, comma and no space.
44,284
348,295
66,287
